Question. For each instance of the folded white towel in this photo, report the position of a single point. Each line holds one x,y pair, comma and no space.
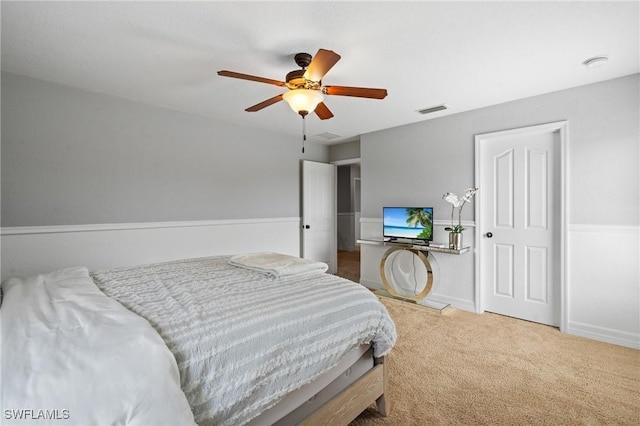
277,264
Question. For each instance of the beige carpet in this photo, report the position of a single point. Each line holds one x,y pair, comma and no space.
463,368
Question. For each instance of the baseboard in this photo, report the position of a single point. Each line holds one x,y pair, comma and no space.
604,334
371,284
465,305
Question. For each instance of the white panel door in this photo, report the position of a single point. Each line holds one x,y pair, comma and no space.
519,188
319,207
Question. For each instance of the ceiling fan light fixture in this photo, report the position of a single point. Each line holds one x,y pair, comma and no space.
303,101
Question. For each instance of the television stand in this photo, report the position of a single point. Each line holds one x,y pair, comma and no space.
405,270
406,241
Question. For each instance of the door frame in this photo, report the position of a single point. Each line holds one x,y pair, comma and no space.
348,162
562,127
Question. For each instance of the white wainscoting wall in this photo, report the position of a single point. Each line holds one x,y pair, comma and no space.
39,249
604,283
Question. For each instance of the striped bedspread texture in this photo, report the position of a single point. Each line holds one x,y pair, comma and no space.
244,340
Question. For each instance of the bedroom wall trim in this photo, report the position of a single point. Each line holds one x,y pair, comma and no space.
436,222
39,249
346,162
624,229
24,230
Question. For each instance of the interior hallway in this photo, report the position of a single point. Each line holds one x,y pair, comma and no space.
349,264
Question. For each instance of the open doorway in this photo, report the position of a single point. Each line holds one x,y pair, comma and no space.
348,219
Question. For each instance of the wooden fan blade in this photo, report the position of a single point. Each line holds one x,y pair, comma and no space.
233,74
360,92
323,112
321,64
264,104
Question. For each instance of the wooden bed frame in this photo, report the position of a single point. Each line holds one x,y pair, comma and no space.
337,397
348,404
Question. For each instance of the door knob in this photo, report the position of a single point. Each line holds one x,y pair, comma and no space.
489,235
307,227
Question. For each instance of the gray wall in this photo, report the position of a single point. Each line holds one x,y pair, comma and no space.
345,150
74,157
416,164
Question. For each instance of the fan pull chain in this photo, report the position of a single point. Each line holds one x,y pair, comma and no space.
304,132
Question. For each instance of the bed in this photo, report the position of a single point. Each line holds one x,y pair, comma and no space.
252,339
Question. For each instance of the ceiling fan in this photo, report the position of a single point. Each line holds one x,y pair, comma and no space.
306,91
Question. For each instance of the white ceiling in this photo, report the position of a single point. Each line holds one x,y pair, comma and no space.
465,54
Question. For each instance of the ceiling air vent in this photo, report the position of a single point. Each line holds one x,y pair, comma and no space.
327,136
433,109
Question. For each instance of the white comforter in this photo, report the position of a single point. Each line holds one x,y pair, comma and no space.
243,340
73,356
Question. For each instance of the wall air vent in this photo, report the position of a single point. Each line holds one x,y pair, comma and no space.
433,109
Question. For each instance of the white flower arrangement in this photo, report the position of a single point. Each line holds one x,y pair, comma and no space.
458,203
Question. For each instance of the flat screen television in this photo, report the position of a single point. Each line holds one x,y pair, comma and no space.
412,223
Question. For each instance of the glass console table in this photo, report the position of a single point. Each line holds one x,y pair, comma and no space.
410,245
405,269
